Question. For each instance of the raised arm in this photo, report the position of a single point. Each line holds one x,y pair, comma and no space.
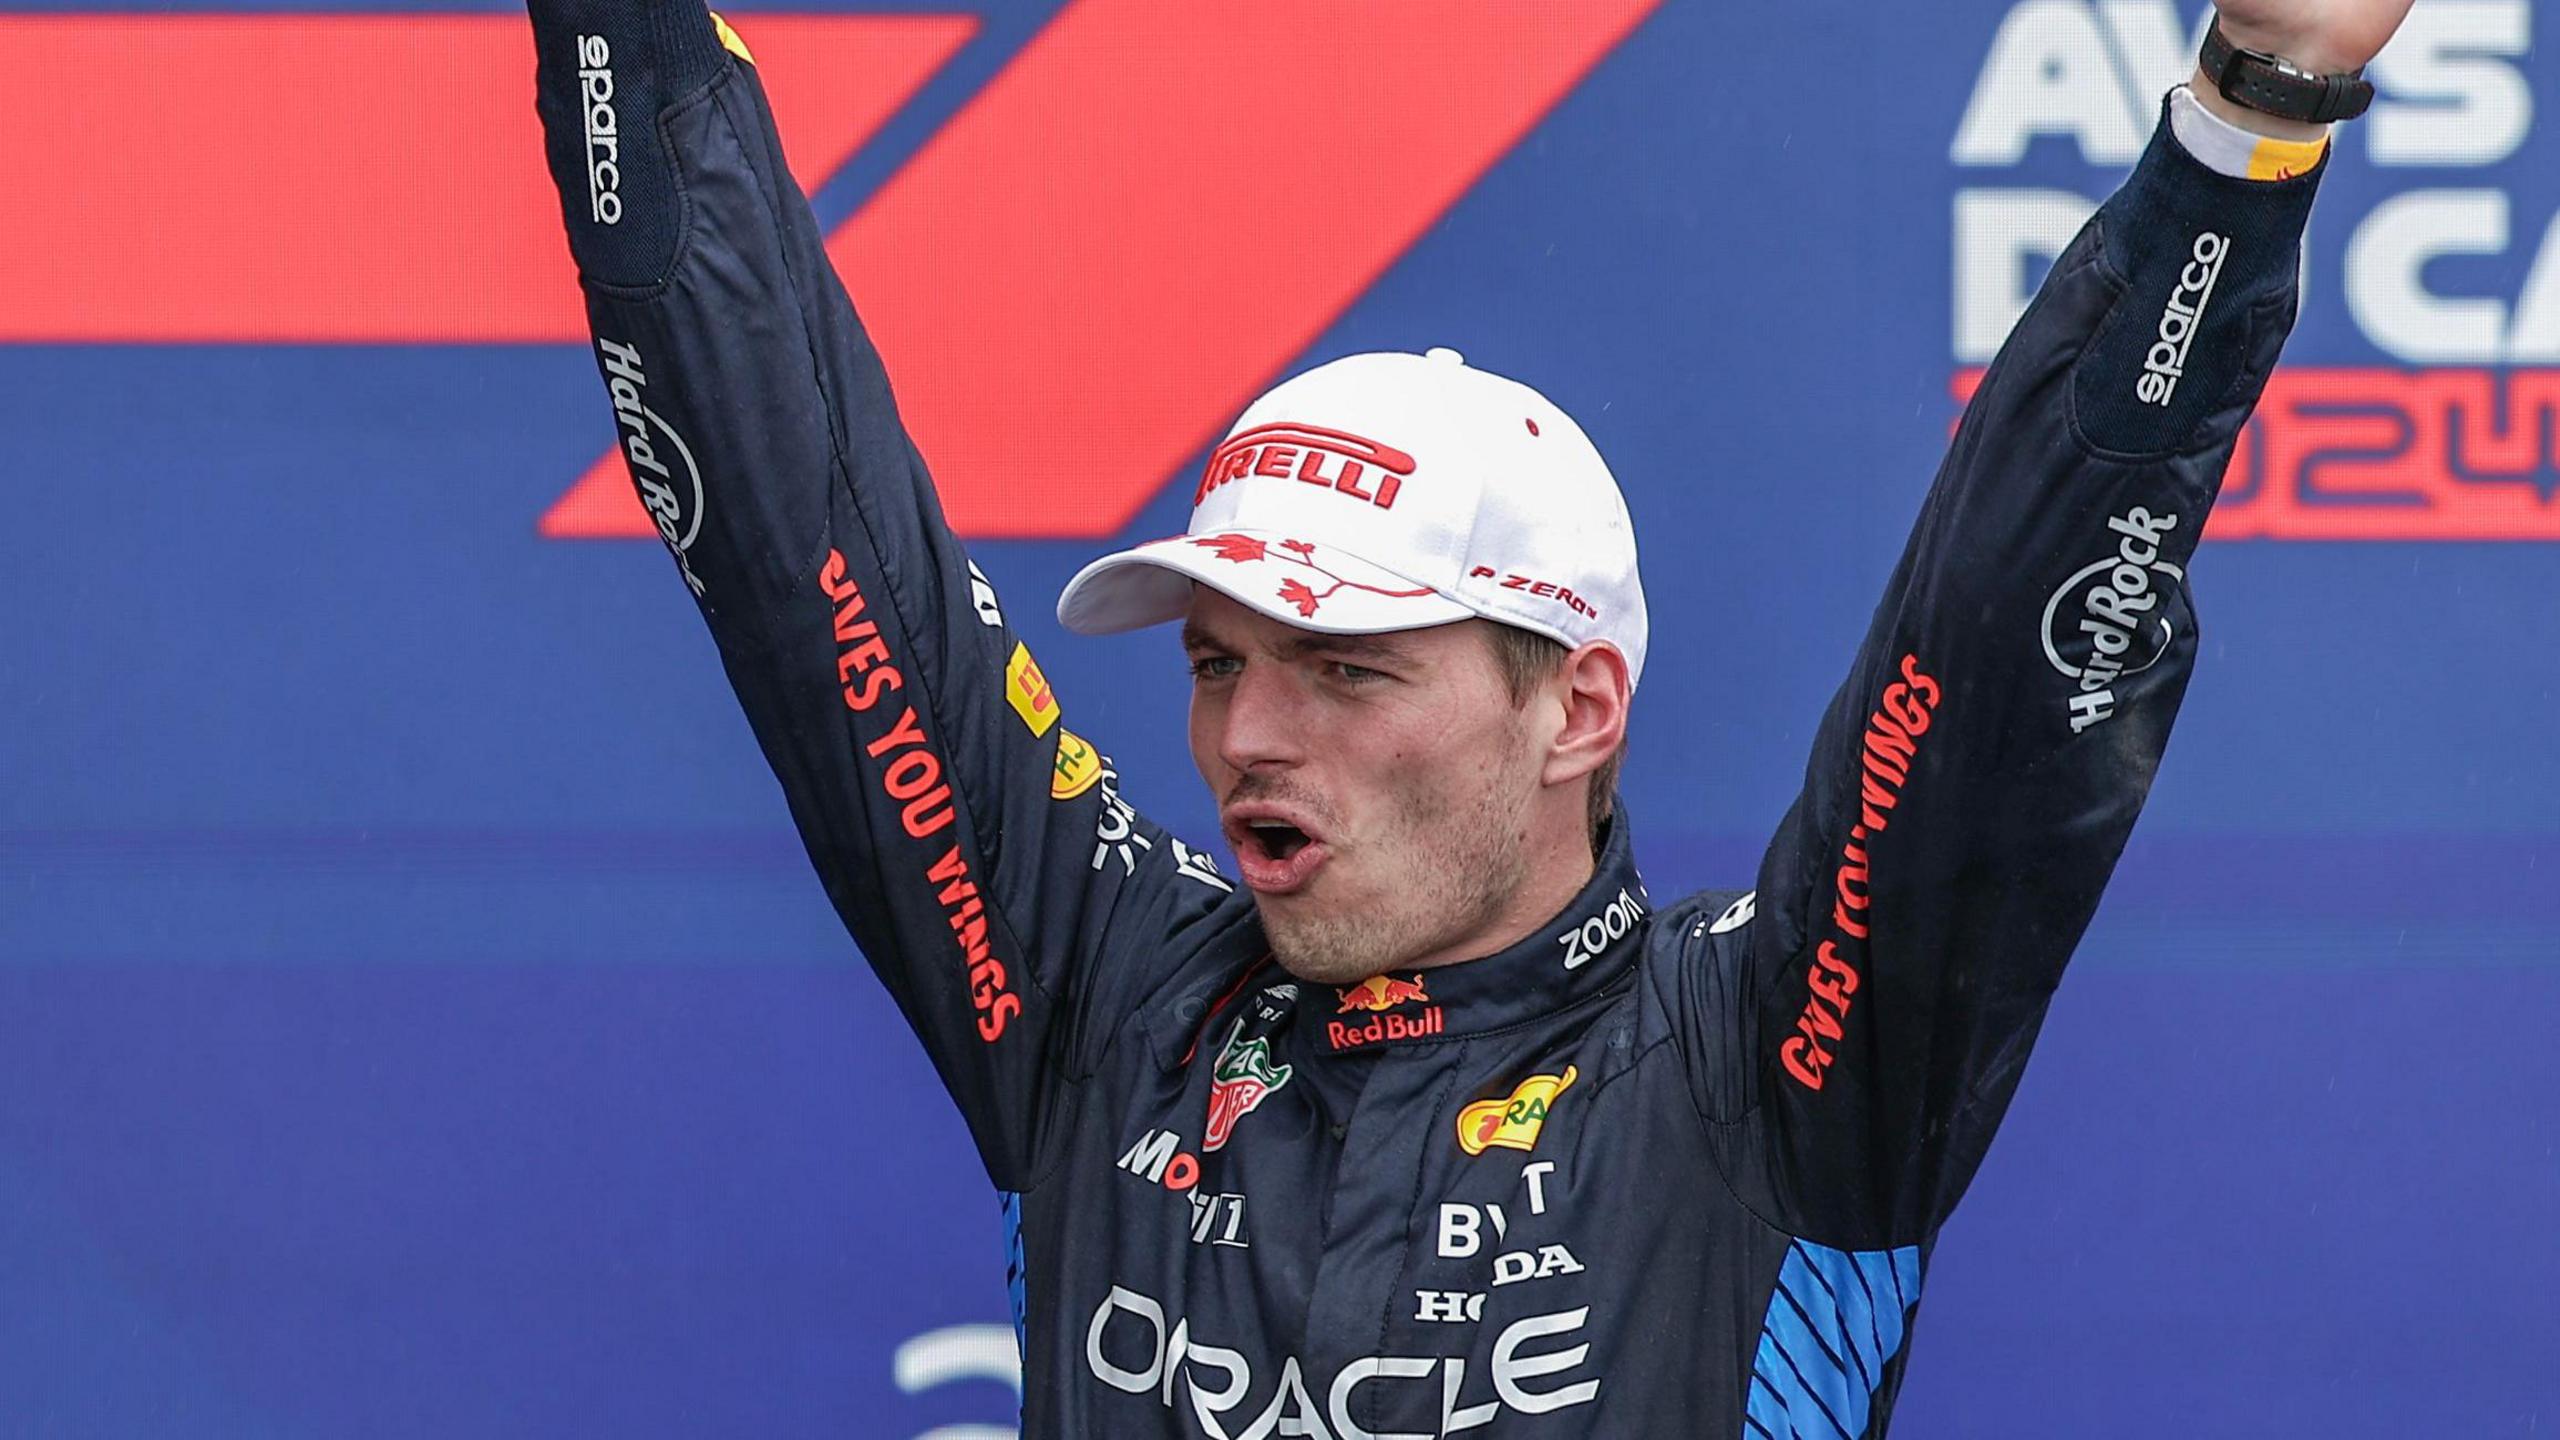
954,819
1975,779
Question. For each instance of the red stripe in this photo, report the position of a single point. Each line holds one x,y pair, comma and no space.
1154,208
2456,452
338,178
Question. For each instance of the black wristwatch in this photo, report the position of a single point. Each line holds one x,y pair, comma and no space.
2272,85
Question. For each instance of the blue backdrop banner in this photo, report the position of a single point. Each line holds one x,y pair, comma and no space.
417,1017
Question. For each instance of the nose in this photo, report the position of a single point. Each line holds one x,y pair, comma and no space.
1263,724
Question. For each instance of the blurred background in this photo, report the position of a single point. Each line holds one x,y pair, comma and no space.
418,1019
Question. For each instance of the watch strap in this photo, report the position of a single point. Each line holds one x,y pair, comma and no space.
2272,85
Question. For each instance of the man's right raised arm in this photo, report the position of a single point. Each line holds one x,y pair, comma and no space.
950,814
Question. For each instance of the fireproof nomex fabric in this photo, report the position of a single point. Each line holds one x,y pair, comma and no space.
1654,1168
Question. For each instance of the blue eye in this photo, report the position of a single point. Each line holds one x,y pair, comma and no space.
1357,673
1215,667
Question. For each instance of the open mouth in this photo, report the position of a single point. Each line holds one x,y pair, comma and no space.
1275,855
1277,840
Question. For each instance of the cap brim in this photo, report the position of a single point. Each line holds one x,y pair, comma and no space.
1313,587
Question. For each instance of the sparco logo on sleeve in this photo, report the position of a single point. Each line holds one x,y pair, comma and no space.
2106,622
2167,358
604,135
674,502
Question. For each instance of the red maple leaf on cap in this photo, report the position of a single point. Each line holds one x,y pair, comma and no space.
1301,546
1297,593
1238,548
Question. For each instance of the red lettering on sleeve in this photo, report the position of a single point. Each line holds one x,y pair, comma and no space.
1887,751
912,776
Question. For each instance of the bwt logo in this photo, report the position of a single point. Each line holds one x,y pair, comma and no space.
2457,440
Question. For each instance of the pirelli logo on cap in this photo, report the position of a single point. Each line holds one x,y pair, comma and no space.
1027,690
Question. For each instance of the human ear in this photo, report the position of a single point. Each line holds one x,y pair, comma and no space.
1594,689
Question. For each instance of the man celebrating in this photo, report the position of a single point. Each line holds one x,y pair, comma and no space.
1354,1151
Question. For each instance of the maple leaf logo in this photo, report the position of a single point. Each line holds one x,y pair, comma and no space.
1238,548
1297,593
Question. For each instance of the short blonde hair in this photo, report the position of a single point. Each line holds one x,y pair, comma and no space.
1526,658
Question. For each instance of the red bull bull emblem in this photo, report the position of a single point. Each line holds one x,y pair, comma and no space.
1377,996
1242,1077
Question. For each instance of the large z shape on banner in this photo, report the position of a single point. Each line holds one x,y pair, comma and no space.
1147,212
1150,211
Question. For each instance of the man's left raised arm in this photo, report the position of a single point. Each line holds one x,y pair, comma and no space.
1975,779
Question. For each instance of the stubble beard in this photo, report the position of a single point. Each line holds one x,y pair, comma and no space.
1464,858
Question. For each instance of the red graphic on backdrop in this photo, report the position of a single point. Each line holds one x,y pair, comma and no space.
2337,453
1079,302
1144,281
271,184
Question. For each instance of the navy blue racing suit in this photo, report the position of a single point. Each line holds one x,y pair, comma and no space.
1660,1167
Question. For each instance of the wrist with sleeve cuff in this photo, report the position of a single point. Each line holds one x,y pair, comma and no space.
2230,150
605,73
2209,258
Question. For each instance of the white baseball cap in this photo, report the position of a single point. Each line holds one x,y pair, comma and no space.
1389,492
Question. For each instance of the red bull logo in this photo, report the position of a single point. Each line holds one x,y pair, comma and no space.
1376,997
1381,993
